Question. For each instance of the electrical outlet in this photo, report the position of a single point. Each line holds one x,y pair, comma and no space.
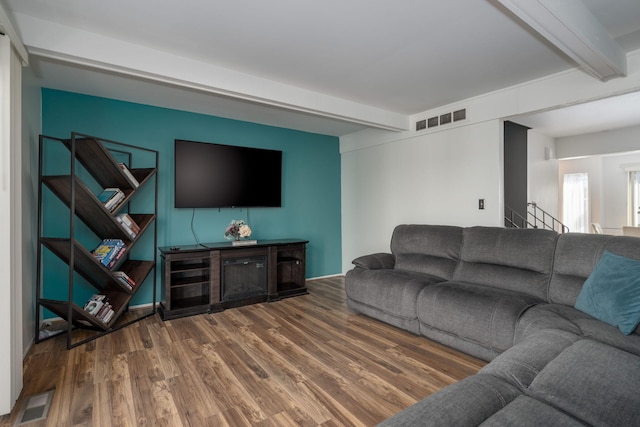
480,203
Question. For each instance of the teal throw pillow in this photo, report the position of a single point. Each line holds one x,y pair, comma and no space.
612,292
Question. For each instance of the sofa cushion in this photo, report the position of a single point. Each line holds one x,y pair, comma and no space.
520,364
548,316
377,261
480,314
592,382
525,411
387,295
465,403
513,259
428,249
612,292
560,317
594,329
576,256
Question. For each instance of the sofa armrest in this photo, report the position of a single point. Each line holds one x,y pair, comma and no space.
377,261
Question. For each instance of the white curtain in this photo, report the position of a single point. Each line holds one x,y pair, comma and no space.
634,214
575,202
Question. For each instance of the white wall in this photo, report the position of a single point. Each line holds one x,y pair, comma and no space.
603,155
542,173
437,175
31,129
435,178
615,190
608,187
10,227
621,140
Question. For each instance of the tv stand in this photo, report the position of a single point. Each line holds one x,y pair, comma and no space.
212,277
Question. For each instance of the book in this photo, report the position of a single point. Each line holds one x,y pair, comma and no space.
129,231
114,201
95,304
244,242
132,179
116,256
128,224
92,307
109,251
126,228
104,310
126,219
103,252
108,316
99,307
111,197
107,194
98,297
125,279
125,283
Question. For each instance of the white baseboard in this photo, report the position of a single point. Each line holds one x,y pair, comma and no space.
325,277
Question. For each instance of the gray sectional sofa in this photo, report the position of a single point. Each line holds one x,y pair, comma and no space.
509,296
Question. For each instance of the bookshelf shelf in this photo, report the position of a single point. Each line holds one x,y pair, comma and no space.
89,209
92,167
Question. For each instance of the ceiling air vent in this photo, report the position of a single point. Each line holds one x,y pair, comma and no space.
442,119
459,115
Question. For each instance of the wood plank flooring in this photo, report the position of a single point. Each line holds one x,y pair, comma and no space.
303,361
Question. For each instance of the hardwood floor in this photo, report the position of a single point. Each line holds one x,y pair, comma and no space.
303,361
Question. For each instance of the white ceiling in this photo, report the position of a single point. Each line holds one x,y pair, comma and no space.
374,57
596,116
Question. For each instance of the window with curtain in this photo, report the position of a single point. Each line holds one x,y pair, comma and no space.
575,202
634,198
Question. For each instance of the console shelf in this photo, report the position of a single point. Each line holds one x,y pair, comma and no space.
193,277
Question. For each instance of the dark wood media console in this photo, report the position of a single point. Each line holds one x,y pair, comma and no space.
213,276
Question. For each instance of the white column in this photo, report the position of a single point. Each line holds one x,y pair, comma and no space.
10,227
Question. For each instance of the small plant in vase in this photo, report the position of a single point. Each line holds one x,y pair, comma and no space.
238,230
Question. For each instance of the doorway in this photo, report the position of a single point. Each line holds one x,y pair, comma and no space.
515,169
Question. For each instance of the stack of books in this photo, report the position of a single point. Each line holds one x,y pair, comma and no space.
128,224
111,197
109,251
125,279
132,179
99,307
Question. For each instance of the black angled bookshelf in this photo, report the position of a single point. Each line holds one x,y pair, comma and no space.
94,164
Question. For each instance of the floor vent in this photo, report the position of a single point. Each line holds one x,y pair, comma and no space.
36,409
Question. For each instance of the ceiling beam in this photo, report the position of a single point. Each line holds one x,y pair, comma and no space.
6,27
573,29
74,46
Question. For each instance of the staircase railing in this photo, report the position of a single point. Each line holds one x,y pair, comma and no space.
536,218
545,219
513,219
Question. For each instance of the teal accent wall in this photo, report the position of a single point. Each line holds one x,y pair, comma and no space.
311,172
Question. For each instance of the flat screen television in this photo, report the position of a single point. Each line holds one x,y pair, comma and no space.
222,176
